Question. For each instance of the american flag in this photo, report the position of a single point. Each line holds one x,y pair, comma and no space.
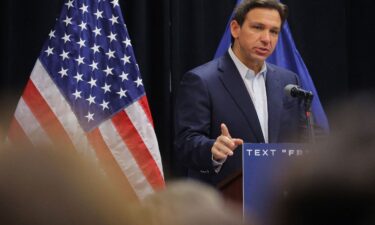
86,92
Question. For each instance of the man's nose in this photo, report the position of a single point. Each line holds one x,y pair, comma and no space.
266,36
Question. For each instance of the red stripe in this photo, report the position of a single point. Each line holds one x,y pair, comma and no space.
138,149
17,135
110,165
144,103
47,119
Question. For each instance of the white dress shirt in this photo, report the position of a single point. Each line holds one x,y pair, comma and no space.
256,87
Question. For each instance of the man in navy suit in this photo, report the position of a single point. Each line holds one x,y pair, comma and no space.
236,98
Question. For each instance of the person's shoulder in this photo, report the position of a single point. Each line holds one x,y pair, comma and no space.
211,68
282,72
206,68
279,69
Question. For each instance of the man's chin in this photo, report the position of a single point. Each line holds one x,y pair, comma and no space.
259,59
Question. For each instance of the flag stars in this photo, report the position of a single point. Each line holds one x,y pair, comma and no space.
106,88
104,105
108,71
67,21
66,38
112,37
92,82
90,116
127,42
63,72
114,19
98,14
52,34
49,51
81,43
124,76
80,60
83,33
138,82
64,55
95,48
94,66
122,93
83,26
77,94
84,8
91,100
115,3
97,31
110,54
126,59
78,77
69,4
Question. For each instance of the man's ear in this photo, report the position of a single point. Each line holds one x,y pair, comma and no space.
235,28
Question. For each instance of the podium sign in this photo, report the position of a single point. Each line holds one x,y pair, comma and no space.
262,165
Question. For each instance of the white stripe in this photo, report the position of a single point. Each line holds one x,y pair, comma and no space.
141,122
30,124
125,160
61,109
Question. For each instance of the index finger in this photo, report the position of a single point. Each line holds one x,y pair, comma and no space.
224,130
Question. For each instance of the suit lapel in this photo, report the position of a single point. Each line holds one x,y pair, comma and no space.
234,84
274,103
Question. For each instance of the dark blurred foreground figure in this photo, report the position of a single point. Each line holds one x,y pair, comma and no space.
49,185
335,182
56,186
188,202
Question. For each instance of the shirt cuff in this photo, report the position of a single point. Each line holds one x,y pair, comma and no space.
217,164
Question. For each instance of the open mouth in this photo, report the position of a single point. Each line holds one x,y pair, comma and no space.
262,51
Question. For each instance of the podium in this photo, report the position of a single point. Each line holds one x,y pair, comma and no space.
231,187
255,185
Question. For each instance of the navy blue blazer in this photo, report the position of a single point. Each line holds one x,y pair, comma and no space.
215,93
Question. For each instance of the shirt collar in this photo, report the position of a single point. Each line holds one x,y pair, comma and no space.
243,69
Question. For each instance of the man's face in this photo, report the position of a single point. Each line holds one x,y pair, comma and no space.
256,39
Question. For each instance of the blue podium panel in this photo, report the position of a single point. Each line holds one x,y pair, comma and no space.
262,166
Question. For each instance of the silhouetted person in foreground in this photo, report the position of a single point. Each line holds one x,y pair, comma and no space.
335,182
57,186
50,185
189,202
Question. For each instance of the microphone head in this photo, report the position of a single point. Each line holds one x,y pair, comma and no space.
288,89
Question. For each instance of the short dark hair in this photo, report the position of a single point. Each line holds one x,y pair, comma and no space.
245,6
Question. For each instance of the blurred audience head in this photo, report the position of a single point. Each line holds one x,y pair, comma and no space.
335,182
51,185
189,202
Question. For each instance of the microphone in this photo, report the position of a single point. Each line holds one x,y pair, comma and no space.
295,91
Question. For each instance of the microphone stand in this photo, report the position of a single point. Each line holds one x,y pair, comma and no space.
309,120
